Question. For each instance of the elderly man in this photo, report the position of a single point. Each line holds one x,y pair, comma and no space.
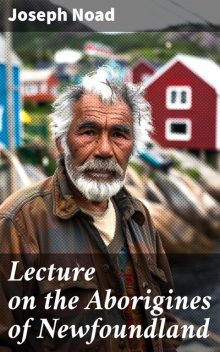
78,243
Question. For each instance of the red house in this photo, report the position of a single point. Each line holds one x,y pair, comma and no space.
39,86
185,99
142,70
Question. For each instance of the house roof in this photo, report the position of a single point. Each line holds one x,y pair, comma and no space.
145,62
15,59
204,68
36,75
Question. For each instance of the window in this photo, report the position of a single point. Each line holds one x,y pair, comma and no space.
179,97
31,89
53,90
43,88
178,129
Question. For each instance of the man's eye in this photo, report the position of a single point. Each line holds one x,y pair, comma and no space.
118,135
89,133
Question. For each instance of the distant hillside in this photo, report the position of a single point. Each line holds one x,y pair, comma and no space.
35,46
205,38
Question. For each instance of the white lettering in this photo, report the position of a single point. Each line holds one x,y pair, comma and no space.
110,15
26,302
13,271
50,329
94,330
77,15
98,16
61,15
206,302
63,274
14,15
202,331
89,16
95,300
22,16
60,301
41,16
32,16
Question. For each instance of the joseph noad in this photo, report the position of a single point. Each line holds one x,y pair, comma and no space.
61,15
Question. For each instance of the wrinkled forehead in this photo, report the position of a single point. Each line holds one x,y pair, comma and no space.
91,106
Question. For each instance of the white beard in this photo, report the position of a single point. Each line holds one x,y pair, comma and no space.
94,190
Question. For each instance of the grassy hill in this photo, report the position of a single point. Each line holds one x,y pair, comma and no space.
35,46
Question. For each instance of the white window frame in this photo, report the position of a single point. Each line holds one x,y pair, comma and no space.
178,136
178,105
54,90
31,89
44,88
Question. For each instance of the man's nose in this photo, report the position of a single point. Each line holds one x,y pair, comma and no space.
104,147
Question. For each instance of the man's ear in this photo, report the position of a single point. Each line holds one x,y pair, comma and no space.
59,146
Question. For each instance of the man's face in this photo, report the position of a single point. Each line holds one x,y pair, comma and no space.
100,142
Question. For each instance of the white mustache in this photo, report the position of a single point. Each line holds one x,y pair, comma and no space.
98,164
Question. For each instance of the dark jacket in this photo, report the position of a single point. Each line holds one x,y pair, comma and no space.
42,226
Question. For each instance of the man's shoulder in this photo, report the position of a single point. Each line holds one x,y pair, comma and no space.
140,203
15,202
